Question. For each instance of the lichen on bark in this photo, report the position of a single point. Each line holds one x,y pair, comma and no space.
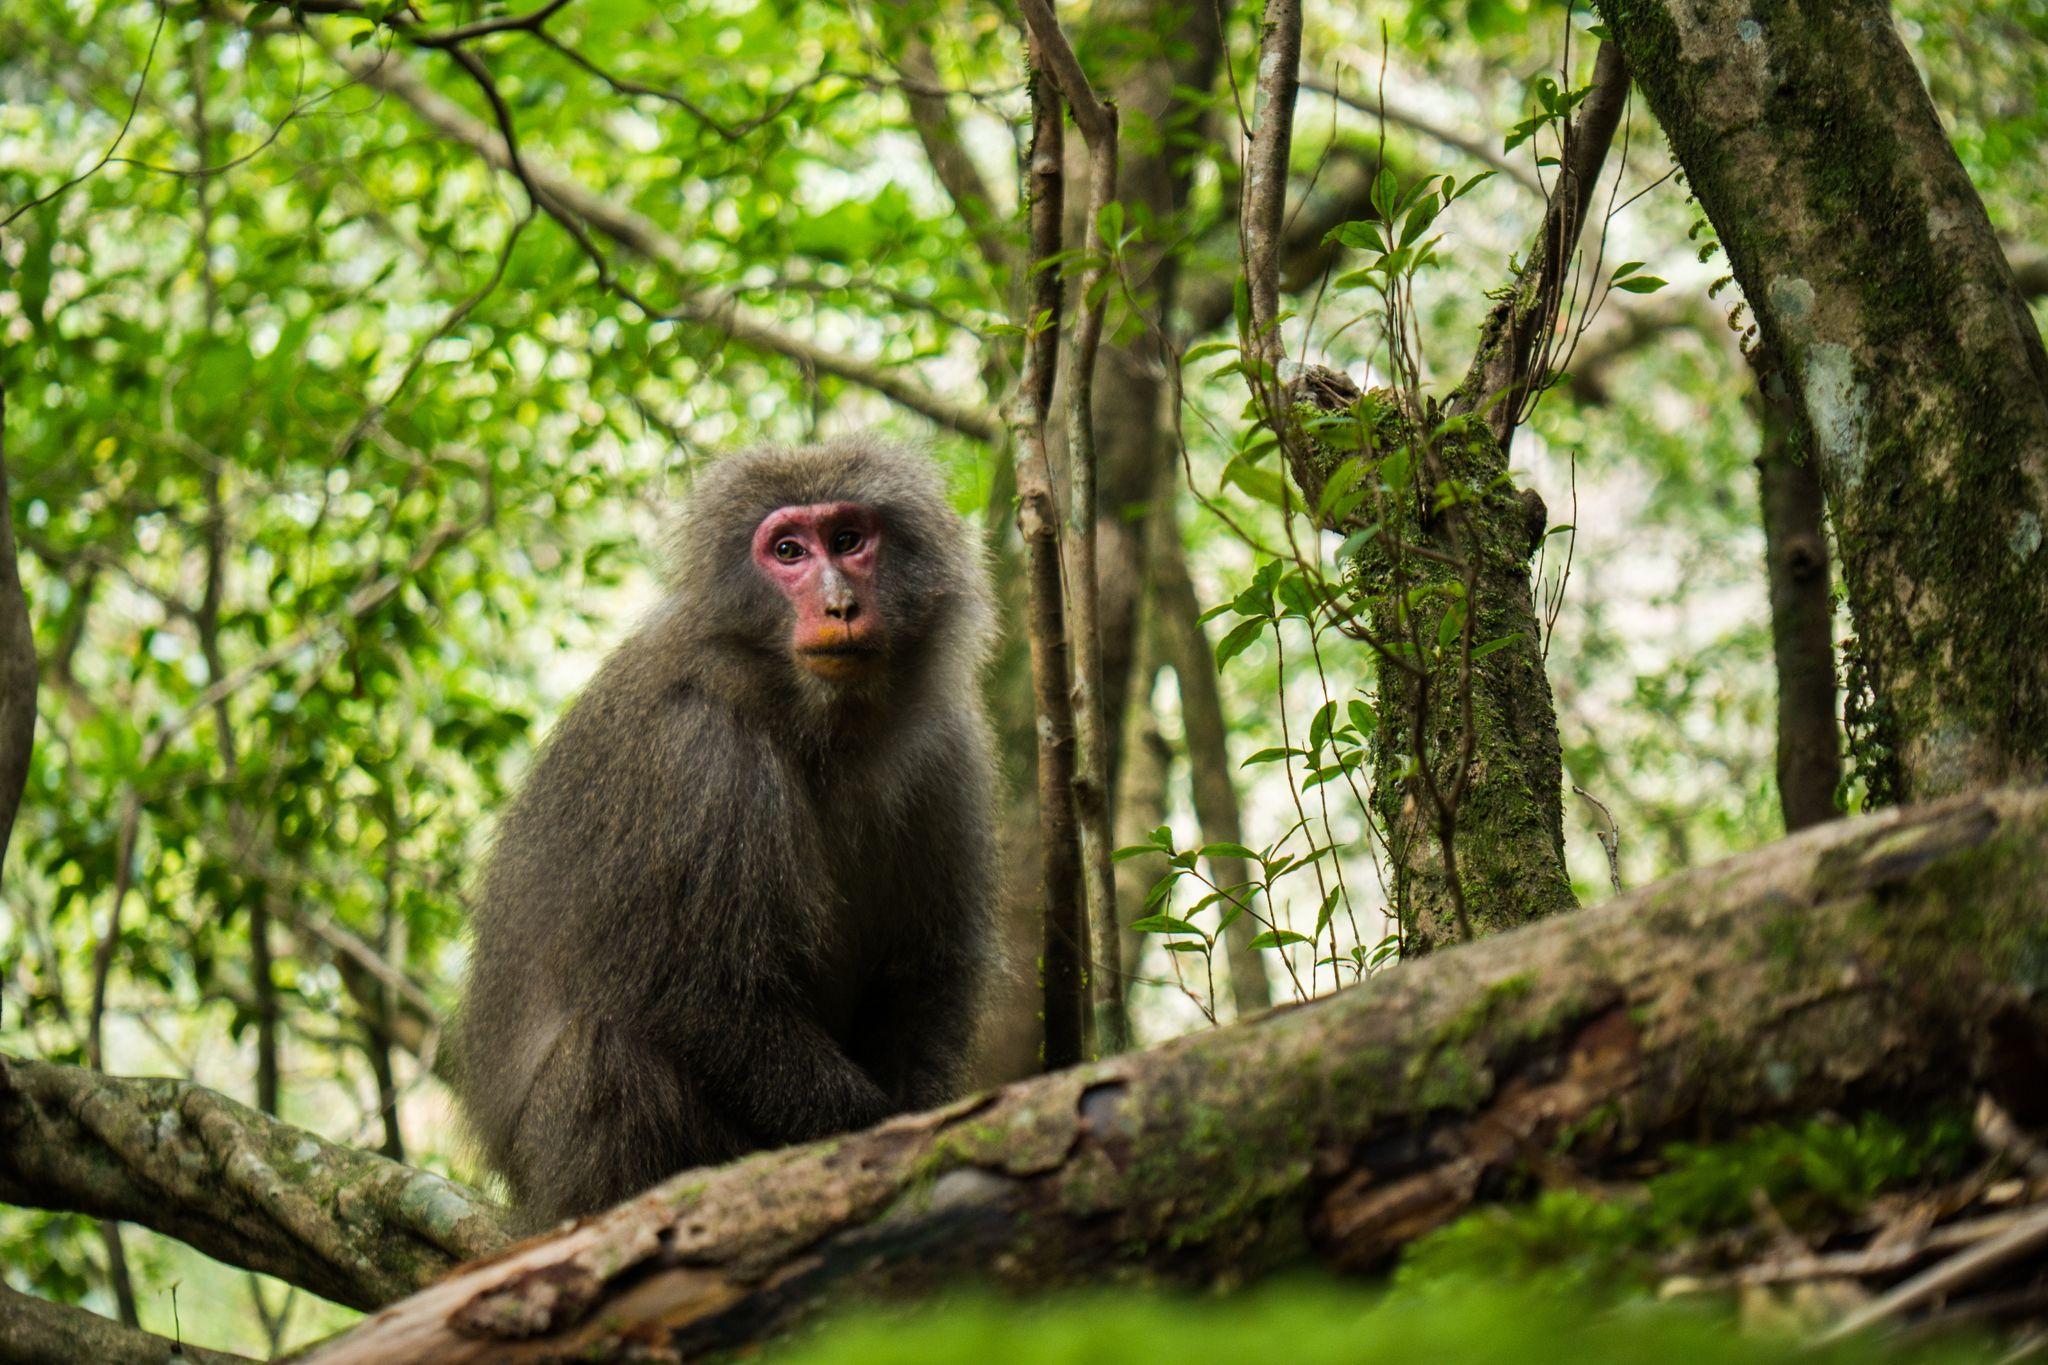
1872,270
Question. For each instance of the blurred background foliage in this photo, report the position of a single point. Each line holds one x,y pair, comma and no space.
336,469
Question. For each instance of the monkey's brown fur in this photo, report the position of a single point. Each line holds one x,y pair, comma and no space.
737,906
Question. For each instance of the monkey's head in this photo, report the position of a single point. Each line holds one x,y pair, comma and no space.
825,557
841,569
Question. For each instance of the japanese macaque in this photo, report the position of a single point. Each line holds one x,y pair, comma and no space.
744,897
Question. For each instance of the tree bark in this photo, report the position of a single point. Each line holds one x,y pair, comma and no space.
1467,775
1134,423
35,1331
1802,606
239,1186
1873,273
1887,960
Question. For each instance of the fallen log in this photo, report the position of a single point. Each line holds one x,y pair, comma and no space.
1886,961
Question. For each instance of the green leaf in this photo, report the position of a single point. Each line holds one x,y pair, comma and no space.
1481,651
1227,850
1263,484
1447,629
1277,938
1238,641
1270,756
1162,924
1640,284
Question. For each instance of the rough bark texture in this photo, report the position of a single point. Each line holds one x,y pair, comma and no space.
1509,820
243,1188
1468,777
1887,960
1808,138
1802,606
36,1332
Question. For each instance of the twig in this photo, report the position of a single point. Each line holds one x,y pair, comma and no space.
2023,1237
1610,837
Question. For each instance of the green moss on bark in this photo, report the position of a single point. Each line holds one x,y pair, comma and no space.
1872,269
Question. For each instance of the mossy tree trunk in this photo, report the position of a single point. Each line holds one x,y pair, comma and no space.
1874,276
1455,697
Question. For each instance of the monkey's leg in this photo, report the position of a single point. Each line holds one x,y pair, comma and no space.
608,1116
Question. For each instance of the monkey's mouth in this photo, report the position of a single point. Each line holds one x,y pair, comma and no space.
840,661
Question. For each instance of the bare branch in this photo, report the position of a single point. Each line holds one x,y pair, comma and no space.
1265,179
33,1329
17,662
1414,120
1066,930
1500,381
1098,124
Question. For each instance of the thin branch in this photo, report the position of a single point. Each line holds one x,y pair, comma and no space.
1507,373
141,83
1993,1253
33,1329
1264,209
17,662
561,196
1066,930
1098,124
1481,151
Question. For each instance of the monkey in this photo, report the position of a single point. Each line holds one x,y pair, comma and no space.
743,899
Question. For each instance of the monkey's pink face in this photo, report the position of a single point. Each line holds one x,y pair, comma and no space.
823,557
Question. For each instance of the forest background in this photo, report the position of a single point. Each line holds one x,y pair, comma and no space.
340,438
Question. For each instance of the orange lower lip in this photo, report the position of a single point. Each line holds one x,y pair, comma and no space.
838,665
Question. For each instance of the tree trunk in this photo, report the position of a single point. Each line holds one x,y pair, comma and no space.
1468,774
1802,606
1866,255
1763,986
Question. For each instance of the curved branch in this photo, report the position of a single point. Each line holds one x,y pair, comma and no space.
241,1187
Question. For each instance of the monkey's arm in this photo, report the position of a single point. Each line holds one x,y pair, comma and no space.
922,1006
754,891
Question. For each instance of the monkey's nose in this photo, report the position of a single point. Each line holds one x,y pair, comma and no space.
843,611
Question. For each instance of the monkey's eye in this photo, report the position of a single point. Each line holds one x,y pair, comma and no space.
789,551
846,542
